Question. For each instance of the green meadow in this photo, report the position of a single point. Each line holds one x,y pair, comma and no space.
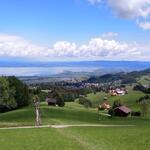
128,99
75,138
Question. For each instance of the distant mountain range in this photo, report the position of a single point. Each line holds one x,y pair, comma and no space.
130,65
68,69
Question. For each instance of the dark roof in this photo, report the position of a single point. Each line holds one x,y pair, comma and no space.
51,100
124,109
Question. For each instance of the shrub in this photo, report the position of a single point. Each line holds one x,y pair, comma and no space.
83,101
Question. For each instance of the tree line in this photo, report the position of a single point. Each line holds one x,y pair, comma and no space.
13,94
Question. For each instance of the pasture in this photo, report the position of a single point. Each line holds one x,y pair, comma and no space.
73,138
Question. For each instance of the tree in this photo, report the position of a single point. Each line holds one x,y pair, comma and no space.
144,107
83,101
144,104
22,93
37,110
7,100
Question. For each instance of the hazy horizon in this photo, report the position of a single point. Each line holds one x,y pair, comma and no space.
63,68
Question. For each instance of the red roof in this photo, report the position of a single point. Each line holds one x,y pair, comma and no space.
124,109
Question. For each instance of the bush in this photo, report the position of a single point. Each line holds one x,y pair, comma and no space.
111,112
136,113
60,103
83,101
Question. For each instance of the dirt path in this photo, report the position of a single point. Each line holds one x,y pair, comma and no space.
66,126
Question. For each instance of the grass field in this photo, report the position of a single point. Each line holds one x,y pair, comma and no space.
128,99
72,113
73,138
76,138
144,79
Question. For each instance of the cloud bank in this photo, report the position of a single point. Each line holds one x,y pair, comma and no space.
96,48
139,10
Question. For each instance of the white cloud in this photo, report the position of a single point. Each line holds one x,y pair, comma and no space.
64,48
130,9
96,48
144,25
16,46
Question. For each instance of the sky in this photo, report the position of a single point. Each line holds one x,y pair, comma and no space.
53,30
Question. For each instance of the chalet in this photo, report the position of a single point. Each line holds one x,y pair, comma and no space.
51,101
105,105
122,111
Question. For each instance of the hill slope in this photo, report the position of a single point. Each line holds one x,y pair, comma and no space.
125,78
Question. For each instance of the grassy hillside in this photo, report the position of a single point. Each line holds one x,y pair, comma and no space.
73,138
125,78
71,113
144,79
128,99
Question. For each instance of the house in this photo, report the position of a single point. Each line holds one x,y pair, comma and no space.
51,101
117,91
113,93
122,111
120,92
105,105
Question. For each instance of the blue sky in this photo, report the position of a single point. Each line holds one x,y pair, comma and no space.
75,29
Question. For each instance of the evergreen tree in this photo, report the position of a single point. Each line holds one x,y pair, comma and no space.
7,99
22,93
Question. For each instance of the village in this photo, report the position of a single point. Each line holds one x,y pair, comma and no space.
105,108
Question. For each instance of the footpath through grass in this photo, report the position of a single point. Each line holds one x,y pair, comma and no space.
72,113
73,138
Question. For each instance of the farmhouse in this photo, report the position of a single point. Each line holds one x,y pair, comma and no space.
51,101
117,91
105,105
122,111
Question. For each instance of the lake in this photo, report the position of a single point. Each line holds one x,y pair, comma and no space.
42,71
55,68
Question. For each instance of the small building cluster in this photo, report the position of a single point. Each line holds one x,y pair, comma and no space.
147,86
118,91
120,110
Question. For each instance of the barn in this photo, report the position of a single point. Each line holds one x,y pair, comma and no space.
122,111
51,101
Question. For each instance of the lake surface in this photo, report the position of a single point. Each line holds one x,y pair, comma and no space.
42,71
55,68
